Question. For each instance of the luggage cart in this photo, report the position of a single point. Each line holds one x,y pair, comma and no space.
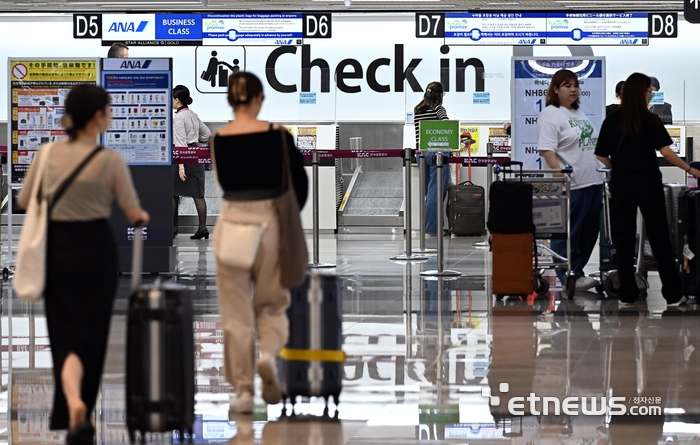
608,276
551,198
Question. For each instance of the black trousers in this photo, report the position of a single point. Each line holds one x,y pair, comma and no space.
649,198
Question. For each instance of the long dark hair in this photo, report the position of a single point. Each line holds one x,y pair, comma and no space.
242,88
431,99
183,93
633,106
82,103
560,78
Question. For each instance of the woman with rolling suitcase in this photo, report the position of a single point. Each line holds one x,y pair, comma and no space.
252,275
628,142
81,181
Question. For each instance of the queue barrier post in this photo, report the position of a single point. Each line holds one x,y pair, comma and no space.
440,272
316,264
487,191
421,185
408,255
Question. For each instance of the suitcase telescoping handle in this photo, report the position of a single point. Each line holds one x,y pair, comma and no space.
137,256
508,168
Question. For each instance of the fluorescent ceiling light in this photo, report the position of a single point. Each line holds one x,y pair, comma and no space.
617,2
503,3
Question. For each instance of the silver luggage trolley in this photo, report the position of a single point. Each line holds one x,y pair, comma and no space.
551,198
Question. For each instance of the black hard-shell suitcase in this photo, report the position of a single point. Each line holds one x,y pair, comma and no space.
510,205
672,193
688,225
465,209
159,356
311,364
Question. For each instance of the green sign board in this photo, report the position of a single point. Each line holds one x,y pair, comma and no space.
446,414
438,135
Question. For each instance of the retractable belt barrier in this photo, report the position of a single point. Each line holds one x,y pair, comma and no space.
201,155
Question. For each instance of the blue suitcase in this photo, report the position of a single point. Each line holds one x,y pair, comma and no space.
311,364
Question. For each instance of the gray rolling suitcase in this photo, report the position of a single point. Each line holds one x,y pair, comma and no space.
159,356
466,214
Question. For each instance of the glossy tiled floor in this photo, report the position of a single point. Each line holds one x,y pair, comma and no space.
421,354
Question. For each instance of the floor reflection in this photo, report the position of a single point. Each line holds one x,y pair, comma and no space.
427,360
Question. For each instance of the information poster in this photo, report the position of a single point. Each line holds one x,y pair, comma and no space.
500,139
307,138
38,88
598,28
30,408
252,29
468,140
531,78
678,137
495,28
140,90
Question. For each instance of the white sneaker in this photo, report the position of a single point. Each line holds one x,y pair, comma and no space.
243,404
584,283
267,368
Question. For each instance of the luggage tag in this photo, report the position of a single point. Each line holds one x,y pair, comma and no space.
688,253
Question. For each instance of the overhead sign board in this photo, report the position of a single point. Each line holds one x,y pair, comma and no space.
252,29
179,27
600,28
494,28
691,11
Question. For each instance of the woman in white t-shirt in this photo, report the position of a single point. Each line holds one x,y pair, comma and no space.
565,136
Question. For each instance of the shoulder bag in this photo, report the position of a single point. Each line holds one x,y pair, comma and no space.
293,256
30,270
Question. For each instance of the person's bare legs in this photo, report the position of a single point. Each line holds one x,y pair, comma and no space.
72,378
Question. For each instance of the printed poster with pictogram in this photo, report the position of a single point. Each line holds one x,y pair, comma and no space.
38,90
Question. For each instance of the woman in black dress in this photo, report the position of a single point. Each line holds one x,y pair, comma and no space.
81,255
189,131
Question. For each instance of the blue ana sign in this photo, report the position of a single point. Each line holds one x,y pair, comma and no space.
178,26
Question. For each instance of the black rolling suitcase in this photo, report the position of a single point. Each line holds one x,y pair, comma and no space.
466,213
311,364
159,356
510,204
688,225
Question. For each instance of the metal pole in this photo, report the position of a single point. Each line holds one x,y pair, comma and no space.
421,185
440,272
487,190
316,264
408,254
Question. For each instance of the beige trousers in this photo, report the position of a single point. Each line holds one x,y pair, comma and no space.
251,300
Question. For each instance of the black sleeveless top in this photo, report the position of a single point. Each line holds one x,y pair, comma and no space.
249,166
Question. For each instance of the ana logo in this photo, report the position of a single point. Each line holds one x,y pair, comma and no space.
629,41
135,64
128,26
283,42
527,41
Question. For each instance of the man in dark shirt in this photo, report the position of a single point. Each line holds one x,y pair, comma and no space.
618,93
661,110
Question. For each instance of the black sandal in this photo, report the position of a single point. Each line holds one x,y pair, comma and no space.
82,434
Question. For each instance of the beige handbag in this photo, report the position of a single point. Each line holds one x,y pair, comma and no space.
237,244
